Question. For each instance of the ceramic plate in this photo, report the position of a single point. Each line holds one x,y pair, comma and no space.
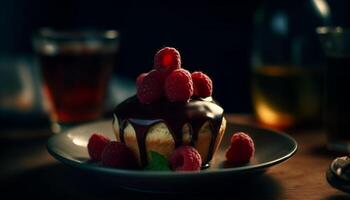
271,148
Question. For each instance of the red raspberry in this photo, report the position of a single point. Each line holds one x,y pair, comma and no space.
140,79
167,60
186,158
241,149
151,87
96,145
202,84
179,86
118,155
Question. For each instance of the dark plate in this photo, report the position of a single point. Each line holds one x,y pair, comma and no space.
271,148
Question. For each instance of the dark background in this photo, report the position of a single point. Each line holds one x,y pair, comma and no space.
212,36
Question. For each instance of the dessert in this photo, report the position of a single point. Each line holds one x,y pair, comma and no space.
172,108
241,149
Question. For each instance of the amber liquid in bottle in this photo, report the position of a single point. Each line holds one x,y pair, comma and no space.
284,96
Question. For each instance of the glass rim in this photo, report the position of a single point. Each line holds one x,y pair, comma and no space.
76,34
322,30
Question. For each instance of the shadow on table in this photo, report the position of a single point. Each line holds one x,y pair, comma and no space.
61,182
322,150
339,197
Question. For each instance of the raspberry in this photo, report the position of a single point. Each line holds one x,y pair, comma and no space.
241,149
96,145
151,87
179,86
118,155
202,84
140,79
186,158
167,60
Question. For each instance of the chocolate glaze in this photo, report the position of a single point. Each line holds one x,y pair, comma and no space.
175,115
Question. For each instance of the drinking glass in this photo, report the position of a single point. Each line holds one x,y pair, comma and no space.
286,78
76,67
336,45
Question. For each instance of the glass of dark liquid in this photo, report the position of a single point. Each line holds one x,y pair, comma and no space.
76,67
336,45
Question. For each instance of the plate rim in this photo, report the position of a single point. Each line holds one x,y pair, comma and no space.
241,169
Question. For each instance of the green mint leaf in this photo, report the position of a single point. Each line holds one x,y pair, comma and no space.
158,162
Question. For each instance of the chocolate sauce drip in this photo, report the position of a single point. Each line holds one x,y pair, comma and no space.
175,115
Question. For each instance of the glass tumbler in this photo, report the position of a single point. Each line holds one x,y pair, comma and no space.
76,67
336,45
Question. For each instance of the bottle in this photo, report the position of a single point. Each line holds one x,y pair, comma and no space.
286,62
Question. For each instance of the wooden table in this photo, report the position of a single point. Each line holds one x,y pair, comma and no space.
26,169
303,176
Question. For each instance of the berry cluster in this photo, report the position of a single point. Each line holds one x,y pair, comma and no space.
118,155
185,158
170,80
111,153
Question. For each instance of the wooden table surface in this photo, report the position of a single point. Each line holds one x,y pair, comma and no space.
303,176
26,169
